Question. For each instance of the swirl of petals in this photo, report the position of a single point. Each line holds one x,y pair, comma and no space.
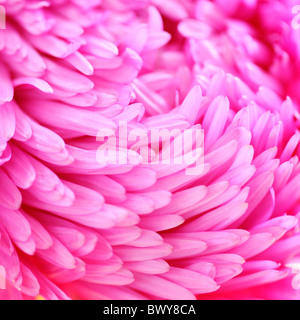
73,227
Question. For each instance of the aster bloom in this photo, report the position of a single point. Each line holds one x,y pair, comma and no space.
75,227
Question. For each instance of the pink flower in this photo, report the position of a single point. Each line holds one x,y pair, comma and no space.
73,227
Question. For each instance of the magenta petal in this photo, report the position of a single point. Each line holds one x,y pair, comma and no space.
10,196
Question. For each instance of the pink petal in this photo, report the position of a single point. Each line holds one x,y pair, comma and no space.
157,266
128,253
159,287
195,281
6,92
7,121
10,196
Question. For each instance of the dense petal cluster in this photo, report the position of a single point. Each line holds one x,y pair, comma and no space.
72,227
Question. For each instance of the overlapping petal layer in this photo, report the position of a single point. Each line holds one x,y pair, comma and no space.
73,227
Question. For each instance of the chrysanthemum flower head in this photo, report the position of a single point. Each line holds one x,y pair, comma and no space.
77,224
